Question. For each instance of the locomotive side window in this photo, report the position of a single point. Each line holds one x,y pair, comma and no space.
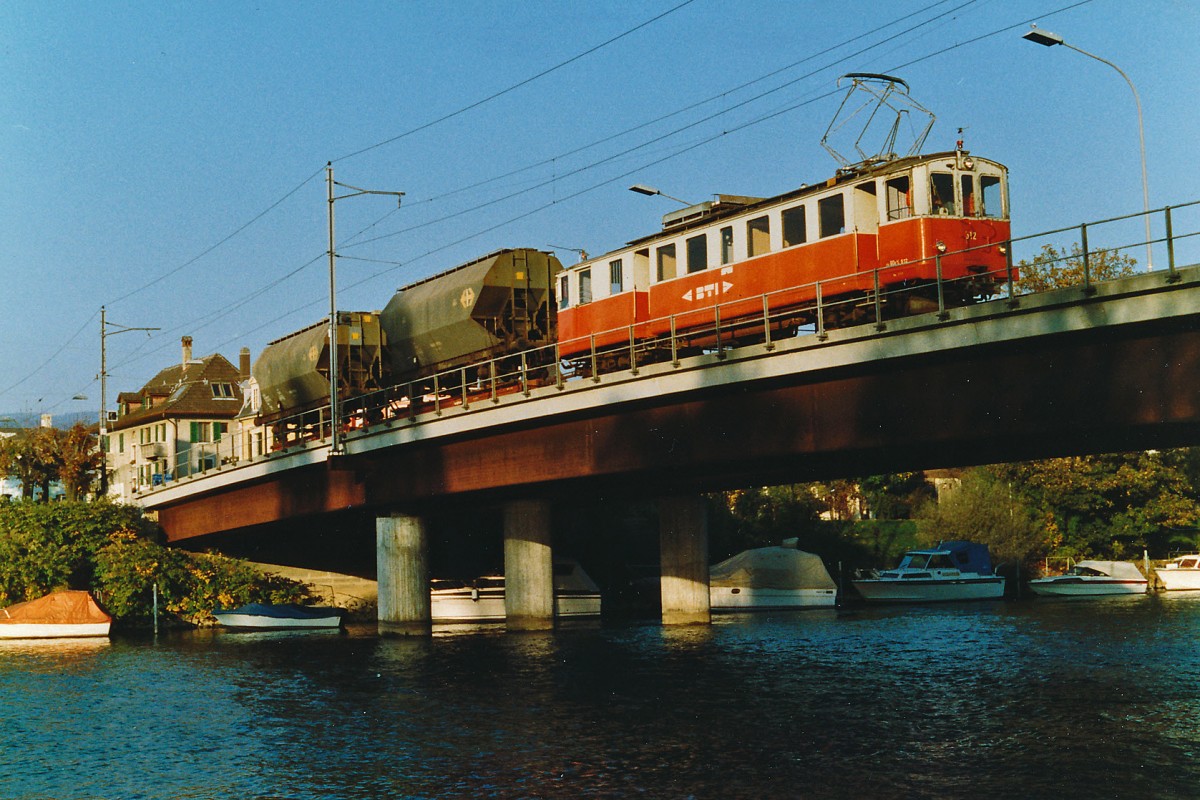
697,253
967,184
666,262
899,198
564,293
993,200
585,286
794,226
832,213
941,193
726,244
758,237
616,277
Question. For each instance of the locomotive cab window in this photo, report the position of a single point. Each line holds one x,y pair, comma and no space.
616,277
966,182
991,197
726,244
666,262
585,286
564,294
941,194
697,253
832,213
794,226
899,198
758,237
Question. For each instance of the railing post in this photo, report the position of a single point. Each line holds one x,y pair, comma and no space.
463,381
879,323
674,344
595,369
1173,277
524,375
1087,263
437,396
1013,302
767,325
558,373
412,401
821,334
492,374
633,370
717,329
941,289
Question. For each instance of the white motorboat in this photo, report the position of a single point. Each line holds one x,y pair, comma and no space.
771,578
1093,578
65,614
957,570
1182,574
482,599
279,616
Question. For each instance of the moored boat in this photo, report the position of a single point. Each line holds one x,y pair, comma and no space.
266,616
955,570
771,578
482,599
64,614
1181,574
1093,578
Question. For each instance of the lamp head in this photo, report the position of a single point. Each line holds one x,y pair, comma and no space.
1045,38
641,188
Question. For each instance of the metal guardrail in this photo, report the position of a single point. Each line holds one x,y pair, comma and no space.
512,378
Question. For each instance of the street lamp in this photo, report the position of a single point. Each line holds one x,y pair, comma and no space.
104,334
650,191
335,445
1048,39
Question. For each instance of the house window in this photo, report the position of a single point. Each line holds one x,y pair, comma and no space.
758,237
201,432
793,226
120,443
726,244
218,429
585,286
666,262
832,212
697,253
616,277
564,294
222,390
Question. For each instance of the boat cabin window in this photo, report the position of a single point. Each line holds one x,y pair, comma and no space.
616,277
1188,563
585,286
913,561
942,561
758,237
992,204
697,253
832,212
794,226
564,294
899,198
666,262
941,193
726,244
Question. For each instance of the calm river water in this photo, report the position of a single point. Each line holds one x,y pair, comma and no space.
1017,699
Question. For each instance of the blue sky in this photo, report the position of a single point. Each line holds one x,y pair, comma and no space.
166,160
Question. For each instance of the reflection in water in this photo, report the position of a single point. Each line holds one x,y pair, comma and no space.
1015,699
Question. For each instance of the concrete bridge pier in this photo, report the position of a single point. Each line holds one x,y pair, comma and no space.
402,565
683,546
528,566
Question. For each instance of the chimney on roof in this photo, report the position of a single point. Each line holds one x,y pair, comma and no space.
187,349
244,364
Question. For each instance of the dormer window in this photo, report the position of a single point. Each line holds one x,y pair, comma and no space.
222,390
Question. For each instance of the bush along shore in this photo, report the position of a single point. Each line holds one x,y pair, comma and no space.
119,555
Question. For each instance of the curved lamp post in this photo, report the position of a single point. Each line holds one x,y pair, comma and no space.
1048,39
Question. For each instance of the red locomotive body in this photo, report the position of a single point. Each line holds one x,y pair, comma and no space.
888,229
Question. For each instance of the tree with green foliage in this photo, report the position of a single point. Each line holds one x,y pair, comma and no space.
80,461
986,508
1057,269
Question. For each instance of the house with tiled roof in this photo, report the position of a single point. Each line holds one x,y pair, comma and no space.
171,427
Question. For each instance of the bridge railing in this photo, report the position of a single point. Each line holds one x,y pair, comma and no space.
1072,256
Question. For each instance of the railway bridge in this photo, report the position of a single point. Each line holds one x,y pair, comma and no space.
1109,367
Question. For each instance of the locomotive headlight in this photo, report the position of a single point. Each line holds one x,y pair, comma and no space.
941,246
1003,249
